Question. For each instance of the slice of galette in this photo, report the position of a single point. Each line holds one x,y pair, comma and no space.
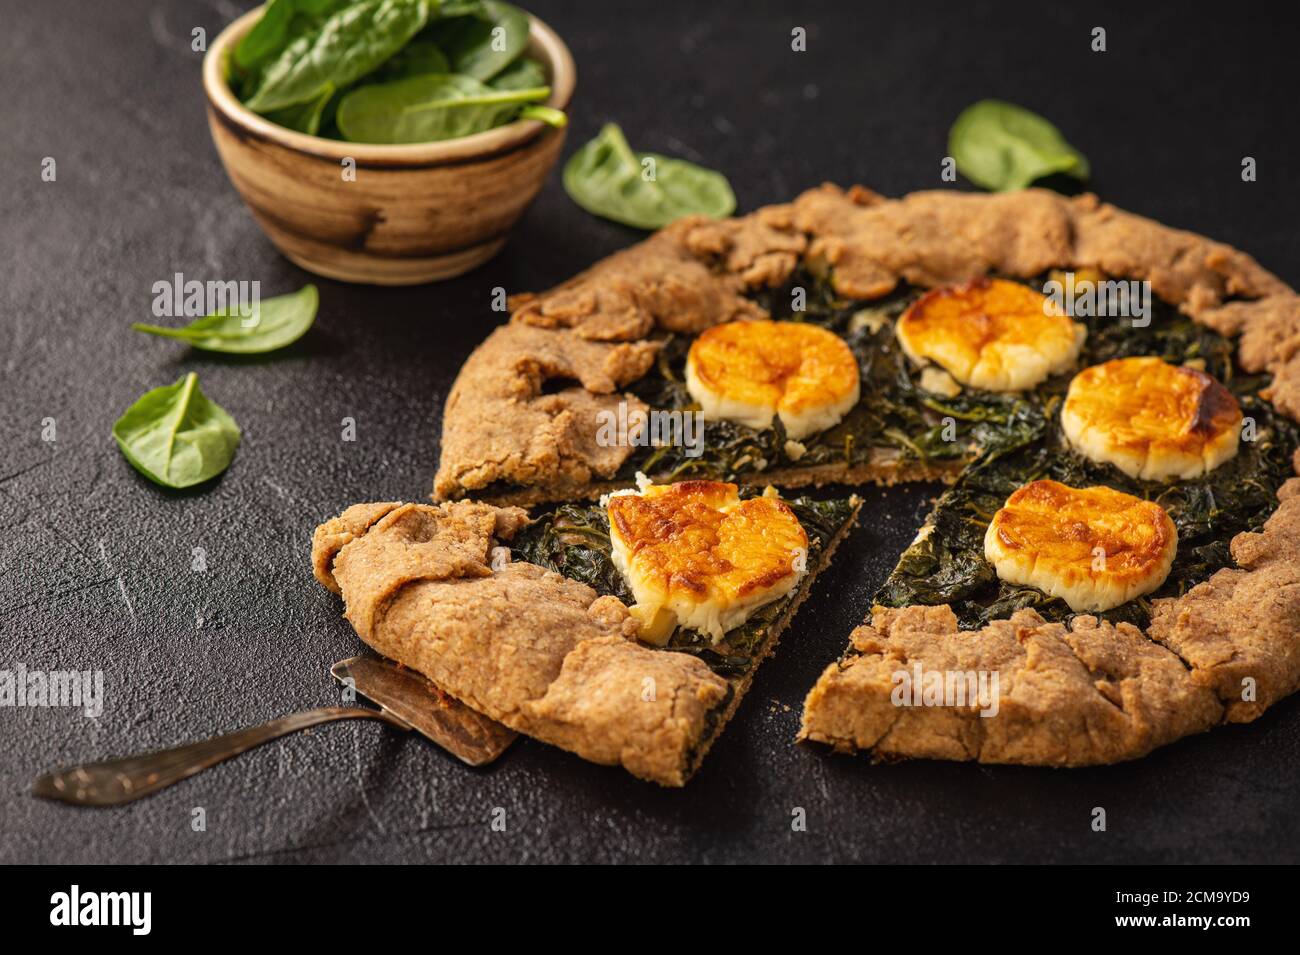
626,631
1127,575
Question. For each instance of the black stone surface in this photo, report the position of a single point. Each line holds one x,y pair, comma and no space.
95,562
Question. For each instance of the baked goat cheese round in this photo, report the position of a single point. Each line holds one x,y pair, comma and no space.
1152,420
1094,547
753,371
991,334
696,556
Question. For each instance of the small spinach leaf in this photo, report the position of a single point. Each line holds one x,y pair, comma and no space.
483,45
645,190
275,323
175,436
425,109
1001,146
353,42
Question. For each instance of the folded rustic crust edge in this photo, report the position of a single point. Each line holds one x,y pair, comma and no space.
520,423
541,653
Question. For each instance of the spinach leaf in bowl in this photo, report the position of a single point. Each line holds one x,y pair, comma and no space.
1001,146
645,190
429,108
415,59
304,117
268,36
526,74
175,436
275,323
520,75
484,44
351,43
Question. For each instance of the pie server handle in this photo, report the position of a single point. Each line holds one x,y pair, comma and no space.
114,782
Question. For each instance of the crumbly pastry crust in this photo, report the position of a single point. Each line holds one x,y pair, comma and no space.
541,653
1086,693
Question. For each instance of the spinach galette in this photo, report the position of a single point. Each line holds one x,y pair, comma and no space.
1119,540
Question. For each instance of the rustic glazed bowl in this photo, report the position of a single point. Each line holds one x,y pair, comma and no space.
415,213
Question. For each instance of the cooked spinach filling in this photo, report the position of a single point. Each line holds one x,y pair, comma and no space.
573,540
894,412
947,565
1010,438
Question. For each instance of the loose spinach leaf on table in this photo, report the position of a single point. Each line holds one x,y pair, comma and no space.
428,108
351,43
1001,146
482,45
275,323
646,190
176,436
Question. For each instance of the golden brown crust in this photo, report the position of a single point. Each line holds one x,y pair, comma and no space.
331,537
502,425
532,649
503,434
1239,631
1270,342
931,238
941,238
1066,696
684,278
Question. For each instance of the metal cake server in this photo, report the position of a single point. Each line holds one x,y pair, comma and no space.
407,700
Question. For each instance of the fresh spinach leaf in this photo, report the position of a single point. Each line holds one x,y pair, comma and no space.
304,117
644,190
520,75
527,74
350,44
415,59
175,436
281,23
425,109
1001,146
275,323
268,35
483,45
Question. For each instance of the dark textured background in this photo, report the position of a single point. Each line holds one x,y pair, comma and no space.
95,561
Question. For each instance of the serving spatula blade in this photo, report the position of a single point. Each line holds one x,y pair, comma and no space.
465,733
